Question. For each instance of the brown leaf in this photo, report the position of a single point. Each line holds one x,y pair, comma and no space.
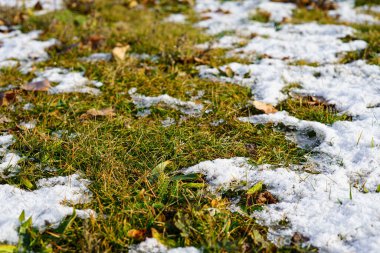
7,98
266,198
137,234
37,86
119,52
92,113
266,108
38,6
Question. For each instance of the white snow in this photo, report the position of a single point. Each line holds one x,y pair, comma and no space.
310,41
145,102
278,11
28,107
28,125
168,122
346,12
67,81
176,18
152,245
46,204
315,205
22,48
47,5
9,159
352,88
97,57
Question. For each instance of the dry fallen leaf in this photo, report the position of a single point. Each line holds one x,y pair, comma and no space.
119,52
37,86
106,112
138,234
4,119
266,198
267,108
7,98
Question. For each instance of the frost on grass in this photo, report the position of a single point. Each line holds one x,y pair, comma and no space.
47,205
346,12
152,245
17,48
68,81
310,41
352,88
145,102
318,206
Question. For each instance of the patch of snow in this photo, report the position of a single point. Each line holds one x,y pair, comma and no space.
176,18
28,125
310,41
45,204
346,12
145,102
168,122
9,159
28,107
23,48
352,88
316,205
278,11
67,81
152,245
47,5
97,57
217,122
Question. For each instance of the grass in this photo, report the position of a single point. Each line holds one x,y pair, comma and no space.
119,154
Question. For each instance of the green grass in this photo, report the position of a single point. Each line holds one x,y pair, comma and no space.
119,154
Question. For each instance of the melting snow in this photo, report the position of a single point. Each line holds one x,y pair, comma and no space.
9,159
176,18
278,11
22,48
316,205
44,205
347,13
145,102
47,5
68,81
310,41
353,87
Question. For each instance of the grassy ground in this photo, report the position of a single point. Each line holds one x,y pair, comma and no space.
122,155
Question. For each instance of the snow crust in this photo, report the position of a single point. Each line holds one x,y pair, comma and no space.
68,81
145,102
45,204
152,245
23,49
